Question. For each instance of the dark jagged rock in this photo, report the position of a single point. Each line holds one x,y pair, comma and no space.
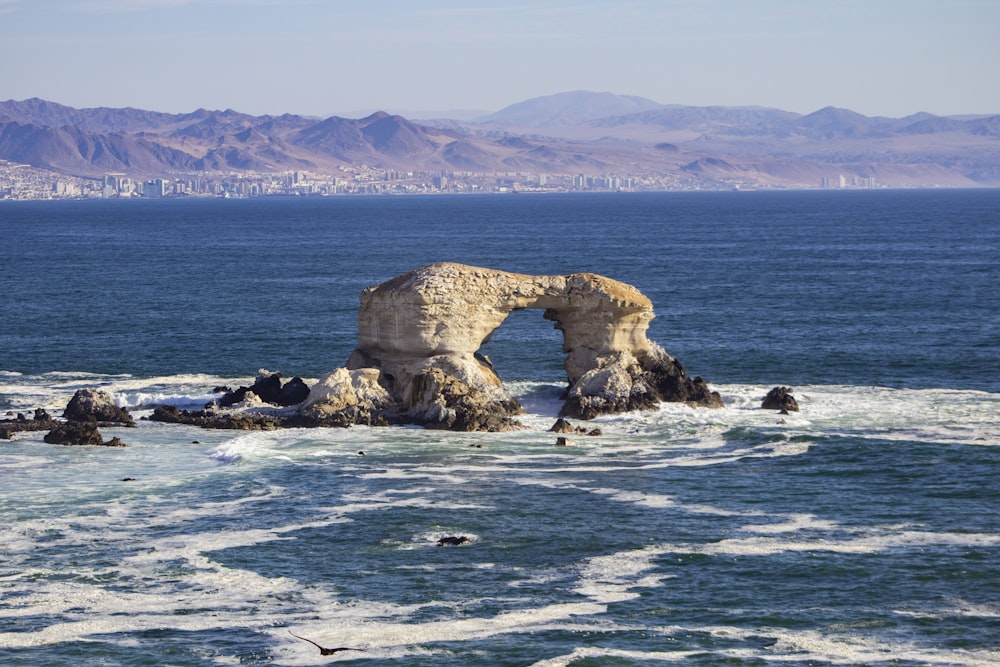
293,392
79,433
780,398
453,541
563,441
562,426
268,388
96,406
231,397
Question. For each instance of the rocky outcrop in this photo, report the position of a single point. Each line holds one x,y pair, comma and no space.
243,419
88,409
780,398
98,406
419,334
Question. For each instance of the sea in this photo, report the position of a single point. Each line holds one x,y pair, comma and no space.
863,529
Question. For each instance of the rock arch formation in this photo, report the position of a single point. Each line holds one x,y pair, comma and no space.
419,335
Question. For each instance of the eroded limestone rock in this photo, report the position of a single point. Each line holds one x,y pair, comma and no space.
419,334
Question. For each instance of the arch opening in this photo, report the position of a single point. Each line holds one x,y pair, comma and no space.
526,347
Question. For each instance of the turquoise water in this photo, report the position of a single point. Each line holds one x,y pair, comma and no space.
862,530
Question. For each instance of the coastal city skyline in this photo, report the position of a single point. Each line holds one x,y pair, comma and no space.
443,58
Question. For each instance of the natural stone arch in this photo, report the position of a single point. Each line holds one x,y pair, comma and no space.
419,336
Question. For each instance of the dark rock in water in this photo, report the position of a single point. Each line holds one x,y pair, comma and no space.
232,397
79,433
41,415
269,389
221,390
780,398
562,426
96,406
453,541
563,441
293,392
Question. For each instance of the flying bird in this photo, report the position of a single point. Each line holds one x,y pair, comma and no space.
323,650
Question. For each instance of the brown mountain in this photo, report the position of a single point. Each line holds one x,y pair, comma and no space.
569,133
74,151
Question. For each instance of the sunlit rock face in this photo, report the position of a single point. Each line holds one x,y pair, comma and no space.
421,332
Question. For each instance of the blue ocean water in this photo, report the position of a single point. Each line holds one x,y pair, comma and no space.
862,530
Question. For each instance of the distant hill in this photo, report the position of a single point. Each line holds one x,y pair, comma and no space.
567,133
572,108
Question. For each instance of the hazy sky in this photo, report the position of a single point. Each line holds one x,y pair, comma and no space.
320,57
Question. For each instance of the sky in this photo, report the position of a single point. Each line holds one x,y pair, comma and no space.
420,57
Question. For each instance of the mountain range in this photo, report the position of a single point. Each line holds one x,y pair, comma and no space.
568,133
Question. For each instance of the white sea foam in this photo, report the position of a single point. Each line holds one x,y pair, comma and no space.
955,608
793,523
614,577
386,638
642,657
931,415
842,648
872,542
638,497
